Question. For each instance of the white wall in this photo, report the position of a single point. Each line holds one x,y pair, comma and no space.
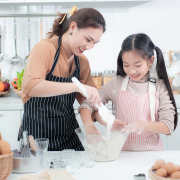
159,19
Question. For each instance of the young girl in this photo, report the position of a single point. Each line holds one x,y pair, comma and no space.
141,103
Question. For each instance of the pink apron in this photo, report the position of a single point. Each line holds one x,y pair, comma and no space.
132,108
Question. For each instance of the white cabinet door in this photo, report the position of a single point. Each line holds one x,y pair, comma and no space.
12,1
164,139
78,117
9,127
173,140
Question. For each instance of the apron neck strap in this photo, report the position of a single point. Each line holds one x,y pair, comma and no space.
152,98
125,83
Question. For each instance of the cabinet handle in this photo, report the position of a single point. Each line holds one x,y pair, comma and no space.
1,115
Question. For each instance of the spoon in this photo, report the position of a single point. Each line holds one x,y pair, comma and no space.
16,59
28,37
1,54
105,114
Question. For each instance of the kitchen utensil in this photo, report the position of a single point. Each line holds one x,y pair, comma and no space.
23,161
24,165
105,114
25,150
176,56
16,59
41,29
67,161
42,146
28,37
33,145
99,149
1,54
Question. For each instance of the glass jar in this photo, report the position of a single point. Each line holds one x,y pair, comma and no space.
97,77
108,75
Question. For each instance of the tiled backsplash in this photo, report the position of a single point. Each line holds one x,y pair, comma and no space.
158,18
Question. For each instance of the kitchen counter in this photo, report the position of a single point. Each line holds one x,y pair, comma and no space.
129,163
12,101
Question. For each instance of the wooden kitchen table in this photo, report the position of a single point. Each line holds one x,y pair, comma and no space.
129,163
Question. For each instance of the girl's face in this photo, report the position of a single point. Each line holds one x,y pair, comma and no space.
134,66
83,39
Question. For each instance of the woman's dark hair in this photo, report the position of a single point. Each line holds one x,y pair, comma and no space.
143,45
85,17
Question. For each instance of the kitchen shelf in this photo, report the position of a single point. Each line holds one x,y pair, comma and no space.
59,1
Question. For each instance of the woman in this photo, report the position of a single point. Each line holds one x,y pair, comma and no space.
48,92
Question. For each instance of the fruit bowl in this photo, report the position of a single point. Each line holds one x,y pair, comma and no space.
102,147
18,92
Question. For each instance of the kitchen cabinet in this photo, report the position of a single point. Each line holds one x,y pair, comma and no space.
164,139
174,139
12,1
44,1
119,0
9,127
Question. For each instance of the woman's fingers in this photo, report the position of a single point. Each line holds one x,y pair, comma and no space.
93,95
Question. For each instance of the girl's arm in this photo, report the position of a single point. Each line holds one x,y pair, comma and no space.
155,127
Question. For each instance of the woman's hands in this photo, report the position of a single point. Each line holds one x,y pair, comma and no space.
91,129
93,95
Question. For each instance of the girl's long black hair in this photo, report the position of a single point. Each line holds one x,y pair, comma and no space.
144,46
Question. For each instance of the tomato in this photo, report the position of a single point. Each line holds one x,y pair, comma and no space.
2,87
14,83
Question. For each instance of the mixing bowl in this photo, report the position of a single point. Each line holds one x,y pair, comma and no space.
102,147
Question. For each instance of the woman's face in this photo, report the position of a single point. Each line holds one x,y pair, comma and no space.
83,39
134,66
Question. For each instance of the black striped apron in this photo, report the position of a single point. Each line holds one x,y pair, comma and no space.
53,117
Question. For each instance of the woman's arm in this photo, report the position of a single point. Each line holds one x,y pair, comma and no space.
49,88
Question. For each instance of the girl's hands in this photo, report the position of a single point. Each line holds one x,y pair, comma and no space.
134,127
93,95
118,125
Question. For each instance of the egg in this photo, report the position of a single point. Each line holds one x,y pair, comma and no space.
159,163
175,175
170,168
161,172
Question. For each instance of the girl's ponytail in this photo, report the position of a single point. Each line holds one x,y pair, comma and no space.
162,74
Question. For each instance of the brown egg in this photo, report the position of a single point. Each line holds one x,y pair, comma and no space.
161,172
159,163
179,168
170,168
175,175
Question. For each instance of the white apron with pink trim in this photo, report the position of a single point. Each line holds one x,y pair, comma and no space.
133,108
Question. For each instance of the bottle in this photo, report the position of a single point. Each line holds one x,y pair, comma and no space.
97,77
108,75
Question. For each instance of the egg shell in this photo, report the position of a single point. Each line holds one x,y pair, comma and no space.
159,163
175,175
161,172
170,168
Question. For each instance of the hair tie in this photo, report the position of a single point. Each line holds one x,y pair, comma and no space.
69,13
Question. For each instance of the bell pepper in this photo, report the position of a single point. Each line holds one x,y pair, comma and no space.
14,83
